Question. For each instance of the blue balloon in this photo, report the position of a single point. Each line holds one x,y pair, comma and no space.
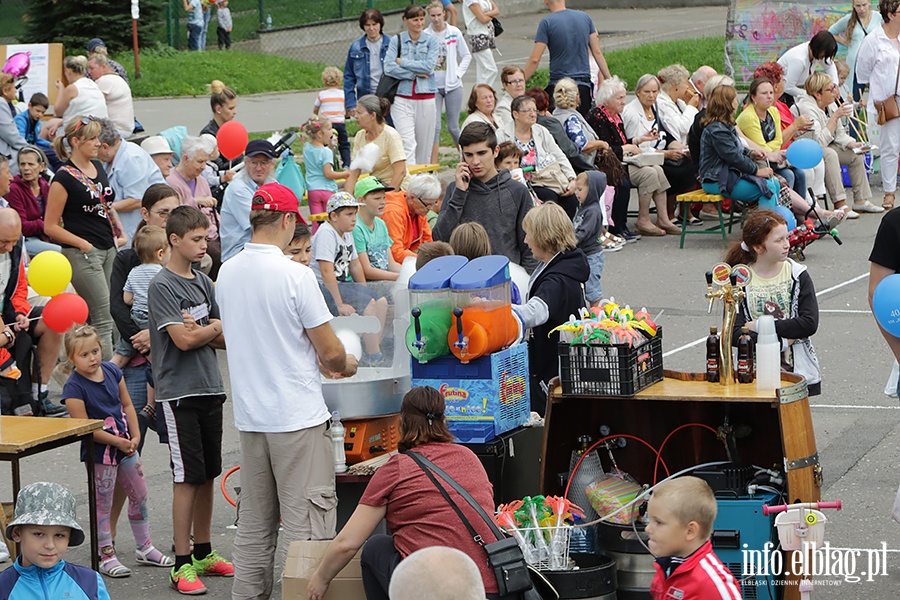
788,216
804,153
886,304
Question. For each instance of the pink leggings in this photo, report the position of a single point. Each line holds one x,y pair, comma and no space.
318,199
130,475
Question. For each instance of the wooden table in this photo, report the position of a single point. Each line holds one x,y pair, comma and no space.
26,436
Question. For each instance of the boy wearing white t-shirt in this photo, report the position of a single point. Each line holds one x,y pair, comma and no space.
336,264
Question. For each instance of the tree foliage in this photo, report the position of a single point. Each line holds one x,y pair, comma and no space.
74,22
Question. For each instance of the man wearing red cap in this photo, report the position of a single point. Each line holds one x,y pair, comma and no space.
278,334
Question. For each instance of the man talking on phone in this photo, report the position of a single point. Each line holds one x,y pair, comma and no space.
481,194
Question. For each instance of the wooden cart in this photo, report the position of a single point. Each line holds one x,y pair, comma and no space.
771,429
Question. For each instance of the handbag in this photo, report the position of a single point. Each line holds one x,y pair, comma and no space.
888,110
552,178
498,28
514,575
387,87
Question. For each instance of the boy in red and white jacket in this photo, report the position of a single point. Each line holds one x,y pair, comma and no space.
682,512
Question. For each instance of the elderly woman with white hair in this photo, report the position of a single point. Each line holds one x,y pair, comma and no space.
643,119
566,96
193,190
651,181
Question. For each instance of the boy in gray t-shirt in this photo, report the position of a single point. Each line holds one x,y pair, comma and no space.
185,330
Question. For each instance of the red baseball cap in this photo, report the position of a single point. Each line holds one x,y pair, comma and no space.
278,198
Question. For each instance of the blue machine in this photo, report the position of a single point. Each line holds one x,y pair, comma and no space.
740,534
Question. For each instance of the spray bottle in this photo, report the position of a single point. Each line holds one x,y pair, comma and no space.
768,355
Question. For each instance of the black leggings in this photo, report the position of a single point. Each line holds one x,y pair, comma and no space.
378,560
569,203
619,214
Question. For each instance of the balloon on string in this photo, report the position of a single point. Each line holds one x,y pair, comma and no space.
18,64
232,139
49,273
804,153
886,304
65,310
788,216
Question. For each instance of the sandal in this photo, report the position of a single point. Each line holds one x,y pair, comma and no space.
152,556
888,204
608,243
111,567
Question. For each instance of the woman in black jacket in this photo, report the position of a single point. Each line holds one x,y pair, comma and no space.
555,291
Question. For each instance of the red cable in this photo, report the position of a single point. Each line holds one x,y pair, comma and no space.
228,474
600,441
665,441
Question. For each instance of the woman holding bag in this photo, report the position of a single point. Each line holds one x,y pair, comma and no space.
415,511
878,65
480,29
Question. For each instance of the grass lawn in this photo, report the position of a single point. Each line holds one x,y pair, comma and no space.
167,72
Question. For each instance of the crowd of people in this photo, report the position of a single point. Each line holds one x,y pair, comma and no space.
175,259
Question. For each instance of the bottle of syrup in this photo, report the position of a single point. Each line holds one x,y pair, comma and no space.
745,357
713,356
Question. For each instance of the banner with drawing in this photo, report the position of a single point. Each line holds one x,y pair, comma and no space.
760,31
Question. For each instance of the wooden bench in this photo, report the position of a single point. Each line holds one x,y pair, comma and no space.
701,197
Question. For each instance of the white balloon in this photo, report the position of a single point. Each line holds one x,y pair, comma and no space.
351,342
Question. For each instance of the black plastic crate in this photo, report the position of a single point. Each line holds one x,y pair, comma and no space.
610,370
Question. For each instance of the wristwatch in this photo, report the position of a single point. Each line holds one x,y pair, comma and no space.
9,338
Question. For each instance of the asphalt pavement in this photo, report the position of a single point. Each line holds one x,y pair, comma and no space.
856,425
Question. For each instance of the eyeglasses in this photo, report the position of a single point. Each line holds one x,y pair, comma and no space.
84,121
528,111
161,213
258,163
426,205
515,81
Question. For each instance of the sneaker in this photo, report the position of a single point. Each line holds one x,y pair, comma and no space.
630,238
185,581
51,409
214,564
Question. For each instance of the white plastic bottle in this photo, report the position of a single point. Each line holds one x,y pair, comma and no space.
337,438
768,355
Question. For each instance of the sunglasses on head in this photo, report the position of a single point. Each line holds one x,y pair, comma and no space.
84,121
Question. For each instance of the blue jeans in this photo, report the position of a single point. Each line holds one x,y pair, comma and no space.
745,191
796,179
35,246
194,35
136,384
343,143
592,288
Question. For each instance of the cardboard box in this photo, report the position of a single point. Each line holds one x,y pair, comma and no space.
302,561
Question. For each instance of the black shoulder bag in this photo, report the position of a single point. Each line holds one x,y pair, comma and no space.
514,575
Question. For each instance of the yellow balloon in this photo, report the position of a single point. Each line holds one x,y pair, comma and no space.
49,273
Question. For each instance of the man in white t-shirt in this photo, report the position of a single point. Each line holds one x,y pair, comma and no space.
278,334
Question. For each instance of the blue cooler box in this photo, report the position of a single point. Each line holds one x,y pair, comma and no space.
485,397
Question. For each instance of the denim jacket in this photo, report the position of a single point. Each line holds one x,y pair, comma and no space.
356,71
416,57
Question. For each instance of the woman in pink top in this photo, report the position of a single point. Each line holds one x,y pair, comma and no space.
193,190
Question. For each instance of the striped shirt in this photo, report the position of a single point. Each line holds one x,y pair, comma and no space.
330,103
138,283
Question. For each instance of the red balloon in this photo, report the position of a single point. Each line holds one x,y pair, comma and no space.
65,310
232,139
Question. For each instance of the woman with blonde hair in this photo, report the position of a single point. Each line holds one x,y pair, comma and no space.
453,62
829,130
566,97
80,98
555,291
223,102
80,218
